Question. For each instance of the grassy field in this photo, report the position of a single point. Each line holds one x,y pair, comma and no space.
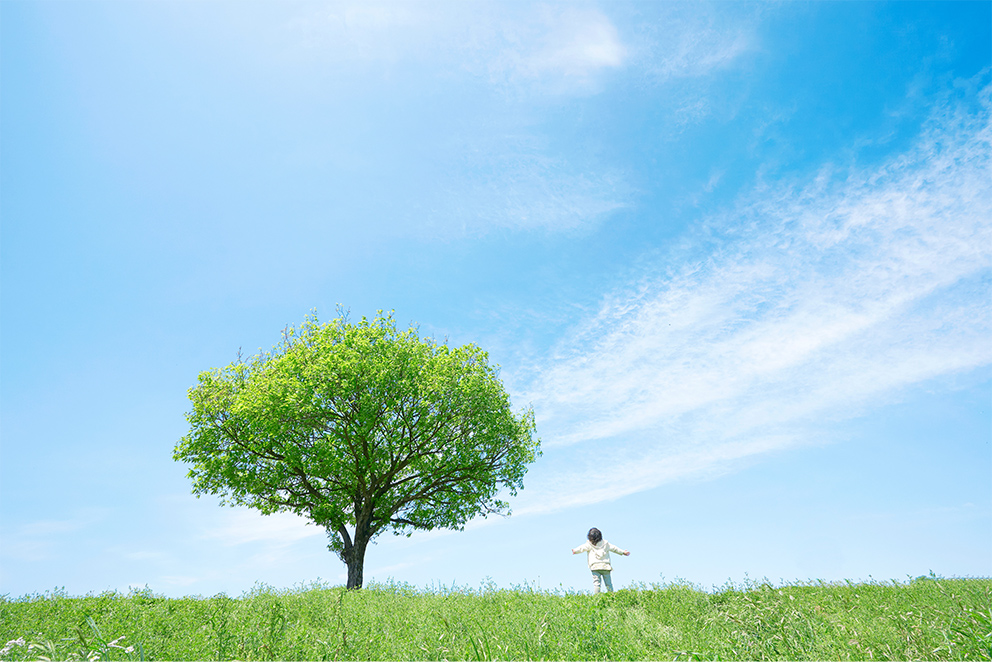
932,618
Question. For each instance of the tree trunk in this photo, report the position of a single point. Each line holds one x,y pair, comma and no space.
354,557
355,568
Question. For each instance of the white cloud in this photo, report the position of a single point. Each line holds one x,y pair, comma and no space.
515,184
144,555
354,32
563,45
179,580
36,541
249,526
46,528
495,40
692,53
565,41
695,41
496,171
813,303
389,570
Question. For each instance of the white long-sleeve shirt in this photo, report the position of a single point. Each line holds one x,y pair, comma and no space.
599,555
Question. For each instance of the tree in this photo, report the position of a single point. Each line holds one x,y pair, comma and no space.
360,428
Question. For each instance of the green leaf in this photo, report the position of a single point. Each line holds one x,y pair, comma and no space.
361,428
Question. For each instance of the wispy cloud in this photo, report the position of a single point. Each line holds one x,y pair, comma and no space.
248,526
808,303
181,581
563,46
499,171
38,540
143,555
693,41
388,570
560,41
504,43
511,182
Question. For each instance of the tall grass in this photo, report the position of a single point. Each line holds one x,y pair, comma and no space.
933,618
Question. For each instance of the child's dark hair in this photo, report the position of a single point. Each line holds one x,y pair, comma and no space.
595,536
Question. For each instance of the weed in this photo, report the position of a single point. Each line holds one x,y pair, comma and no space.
942,619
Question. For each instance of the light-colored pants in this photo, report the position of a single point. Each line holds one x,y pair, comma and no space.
603,575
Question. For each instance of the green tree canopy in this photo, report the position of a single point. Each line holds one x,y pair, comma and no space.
360,428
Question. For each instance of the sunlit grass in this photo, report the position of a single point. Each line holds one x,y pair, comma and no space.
928,618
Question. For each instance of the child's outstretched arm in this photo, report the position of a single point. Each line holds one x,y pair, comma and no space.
584,547
617,550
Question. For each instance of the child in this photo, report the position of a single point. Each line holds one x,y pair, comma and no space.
599,558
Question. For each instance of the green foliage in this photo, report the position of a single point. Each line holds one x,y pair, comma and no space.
937,619
361,428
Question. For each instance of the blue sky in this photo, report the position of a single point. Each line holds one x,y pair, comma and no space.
735,255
